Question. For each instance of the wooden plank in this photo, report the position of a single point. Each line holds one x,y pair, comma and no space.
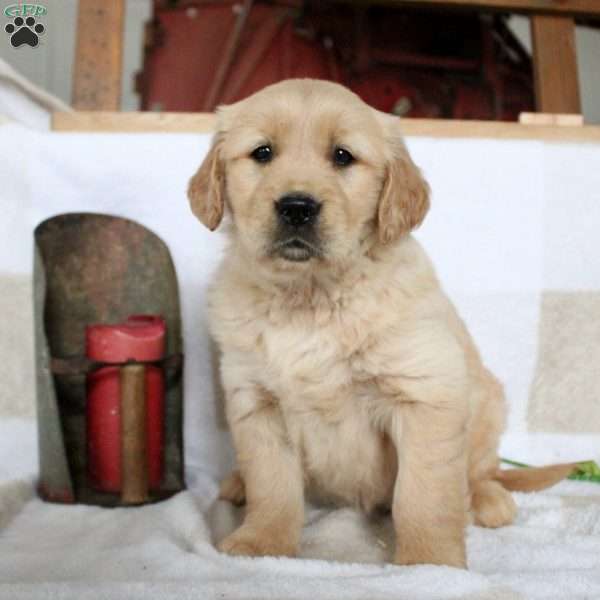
134,463
148,122
438,128
133,122
99,52
555,64
528,118
578,8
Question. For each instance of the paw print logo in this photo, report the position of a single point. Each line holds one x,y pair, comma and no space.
24,31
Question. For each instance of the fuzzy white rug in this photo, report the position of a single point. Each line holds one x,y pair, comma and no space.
165,551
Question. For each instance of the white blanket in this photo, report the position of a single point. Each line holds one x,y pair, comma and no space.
513,233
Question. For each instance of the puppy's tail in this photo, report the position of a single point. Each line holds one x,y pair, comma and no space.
534,478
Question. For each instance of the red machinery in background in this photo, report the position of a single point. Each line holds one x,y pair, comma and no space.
407,61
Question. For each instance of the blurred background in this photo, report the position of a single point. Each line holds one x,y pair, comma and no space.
190,55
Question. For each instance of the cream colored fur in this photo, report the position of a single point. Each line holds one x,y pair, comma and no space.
349,378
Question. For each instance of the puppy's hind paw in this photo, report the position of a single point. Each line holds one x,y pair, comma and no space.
232,489
492,505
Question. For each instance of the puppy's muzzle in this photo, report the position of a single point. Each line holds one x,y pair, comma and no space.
297,236
297,210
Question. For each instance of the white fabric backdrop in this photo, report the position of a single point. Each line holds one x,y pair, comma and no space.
510,219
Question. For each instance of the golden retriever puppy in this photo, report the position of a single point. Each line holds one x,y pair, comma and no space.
349,377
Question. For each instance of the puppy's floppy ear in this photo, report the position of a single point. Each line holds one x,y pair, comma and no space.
404,199
206,190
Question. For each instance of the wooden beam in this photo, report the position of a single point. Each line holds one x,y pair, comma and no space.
133,122
149,122
99,53
577,8
527,118
555,64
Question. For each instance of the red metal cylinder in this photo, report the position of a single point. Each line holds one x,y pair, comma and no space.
140,338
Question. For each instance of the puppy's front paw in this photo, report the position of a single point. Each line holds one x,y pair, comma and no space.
248,541
450,553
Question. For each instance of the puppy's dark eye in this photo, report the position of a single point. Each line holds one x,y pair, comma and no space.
262,154
342,158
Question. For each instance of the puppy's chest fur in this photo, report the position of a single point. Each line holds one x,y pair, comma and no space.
313,359
313,354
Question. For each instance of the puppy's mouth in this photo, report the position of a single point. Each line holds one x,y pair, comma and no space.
296,249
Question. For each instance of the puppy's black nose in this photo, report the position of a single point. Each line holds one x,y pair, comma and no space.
297,209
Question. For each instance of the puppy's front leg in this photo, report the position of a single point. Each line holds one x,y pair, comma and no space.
430,494
272,476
